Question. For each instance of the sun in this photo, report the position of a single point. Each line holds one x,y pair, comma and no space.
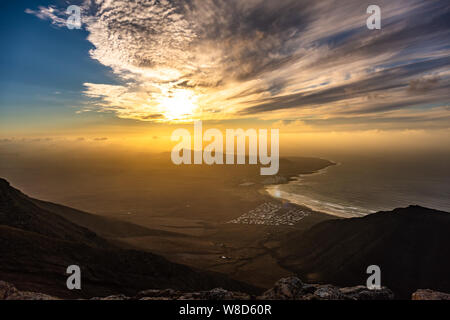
178,105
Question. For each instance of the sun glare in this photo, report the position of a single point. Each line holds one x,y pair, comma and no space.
178,105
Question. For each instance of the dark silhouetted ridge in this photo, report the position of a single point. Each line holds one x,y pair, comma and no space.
38,243
409,244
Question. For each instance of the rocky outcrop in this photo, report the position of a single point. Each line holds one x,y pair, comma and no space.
169,294
9,292
6,289
291,288
427,294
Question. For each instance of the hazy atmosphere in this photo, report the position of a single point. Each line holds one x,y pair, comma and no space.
354,95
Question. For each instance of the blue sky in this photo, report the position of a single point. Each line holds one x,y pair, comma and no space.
43,67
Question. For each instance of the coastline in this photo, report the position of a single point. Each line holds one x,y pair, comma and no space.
293,177
328,208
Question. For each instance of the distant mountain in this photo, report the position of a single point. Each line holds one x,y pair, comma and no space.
410,245
39,240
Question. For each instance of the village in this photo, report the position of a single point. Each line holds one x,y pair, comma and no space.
274,214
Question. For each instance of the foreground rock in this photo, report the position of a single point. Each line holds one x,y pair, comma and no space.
427,294
169,294
9,292
291,288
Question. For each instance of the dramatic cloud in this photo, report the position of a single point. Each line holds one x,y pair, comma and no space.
309,61
51,13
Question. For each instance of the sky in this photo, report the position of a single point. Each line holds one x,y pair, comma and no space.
145,67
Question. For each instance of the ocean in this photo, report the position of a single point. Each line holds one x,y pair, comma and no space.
360,185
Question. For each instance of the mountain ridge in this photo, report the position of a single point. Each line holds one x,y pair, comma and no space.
407,243
37,245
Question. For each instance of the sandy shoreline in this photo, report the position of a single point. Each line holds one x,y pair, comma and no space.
331,208
273,190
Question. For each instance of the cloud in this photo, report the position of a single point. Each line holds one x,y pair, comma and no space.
50,13
423,84
289,59
388,81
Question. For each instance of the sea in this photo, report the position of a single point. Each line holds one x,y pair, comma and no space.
359,185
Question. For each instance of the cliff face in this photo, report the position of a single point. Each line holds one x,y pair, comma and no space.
291,288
